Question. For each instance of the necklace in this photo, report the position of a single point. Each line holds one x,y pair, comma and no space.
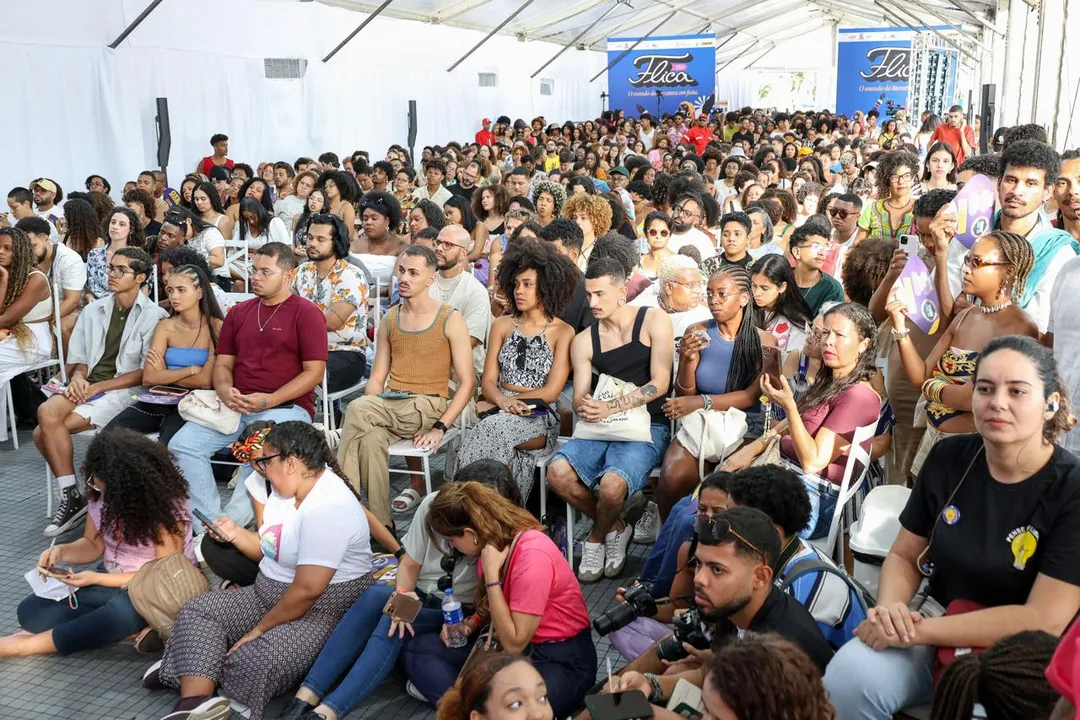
446,292
990,309
180,321
258,315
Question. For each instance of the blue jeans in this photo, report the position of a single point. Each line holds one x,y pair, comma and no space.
868,685
823,495
104,616
194,445
360,653
662,565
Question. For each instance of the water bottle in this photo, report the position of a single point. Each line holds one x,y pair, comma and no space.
452,618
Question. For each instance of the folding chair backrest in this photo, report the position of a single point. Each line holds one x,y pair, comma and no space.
851,482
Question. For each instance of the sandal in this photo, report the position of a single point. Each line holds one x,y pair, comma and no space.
406,501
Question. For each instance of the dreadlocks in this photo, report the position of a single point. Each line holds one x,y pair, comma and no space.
1016,251
22,263
1009,679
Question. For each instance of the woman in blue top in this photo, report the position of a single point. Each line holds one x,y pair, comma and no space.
719,367
181,352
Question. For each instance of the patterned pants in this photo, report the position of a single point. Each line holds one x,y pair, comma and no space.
262,669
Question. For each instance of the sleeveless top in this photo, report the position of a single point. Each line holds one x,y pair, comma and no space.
182,357
407,373
957,367
42,310
712,370
629,363
525,362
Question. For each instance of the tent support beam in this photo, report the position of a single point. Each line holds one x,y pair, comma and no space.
134,24
487,37
580,35
904,23
752,46
962,7
355,32
929,11
644,37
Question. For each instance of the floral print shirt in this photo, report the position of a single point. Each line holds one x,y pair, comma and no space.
344,284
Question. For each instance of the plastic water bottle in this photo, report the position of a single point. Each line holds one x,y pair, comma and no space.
452,618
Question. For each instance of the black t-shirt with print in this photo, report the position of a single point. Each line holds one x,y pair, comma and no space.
993,538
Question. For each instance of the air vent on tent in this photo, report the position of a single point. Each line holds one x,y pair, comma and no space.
489,80
284,68
547,87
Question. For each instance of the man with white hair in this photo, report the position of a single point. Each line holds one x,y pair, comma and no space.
679,291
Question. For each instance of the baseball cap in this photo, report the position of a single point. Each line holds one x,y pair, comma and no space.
621,171
219,172
485,121
45,184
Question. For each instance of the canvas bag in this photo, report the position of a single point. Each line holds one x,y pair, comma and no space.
633,425
709,435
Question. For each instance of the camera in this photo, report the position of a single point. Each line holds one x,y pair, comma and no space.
688,629
638,603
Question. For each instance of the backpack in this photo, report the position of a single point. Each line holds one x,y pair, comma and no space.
839,634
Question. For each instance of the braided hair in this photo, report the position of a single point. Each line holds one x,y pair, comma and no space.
306,443
1009,679
1016,251
745,363
826,388
22,262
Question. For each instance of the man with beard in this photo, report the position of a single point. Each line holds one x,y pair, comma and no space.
459,289
734,592
843,213
466,184
340,292
421,342
1067,194
63,266
270,355
48,197
686,212
1029,170
381,172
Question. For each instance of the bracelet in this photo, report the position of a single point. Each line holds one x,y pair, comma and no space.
476,619
497,583
399,553
932,389
654,683
900,334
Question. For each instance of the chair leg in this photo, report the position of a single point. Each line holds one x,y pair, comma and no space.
426,460
570,535
543,492
48,490
11,415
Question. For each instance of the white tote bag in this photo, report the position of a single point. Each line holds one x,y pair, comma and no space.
709,435
204,407
631,425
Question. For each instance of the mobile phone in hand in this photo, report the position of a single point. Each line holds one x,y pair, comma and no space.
210,526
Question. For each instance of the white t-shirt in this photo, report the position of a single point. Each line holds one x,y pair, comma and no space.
679,320
429,550
466,295
209,239
68,269
329,529
276,232
1039,306
1064,323
287,208
693,237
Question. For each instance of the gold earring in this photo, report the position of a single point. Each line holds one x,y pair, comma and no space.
475,541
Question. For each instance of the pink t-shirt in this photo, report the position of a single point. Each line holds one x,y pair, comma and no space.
854,407
1064,670
540,582
125,557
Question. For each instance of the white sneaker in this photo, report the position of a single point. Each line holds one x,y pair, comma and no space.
648,527
414,692
591,567
615,545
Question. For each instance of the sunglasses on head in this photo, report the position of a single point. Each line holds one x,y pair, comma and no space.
719,529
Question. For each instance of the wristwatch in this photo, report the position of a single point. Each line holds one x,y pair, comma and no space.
439,425
399,553
706,402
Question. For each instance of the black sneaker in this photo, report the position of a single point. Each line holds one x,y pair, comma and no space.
297,709
70,511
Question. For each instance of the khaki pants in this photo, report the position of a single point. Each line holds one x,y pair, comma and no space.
371,425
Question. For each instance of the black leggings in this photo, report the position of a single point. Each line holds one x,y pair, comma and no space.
143,417
228,563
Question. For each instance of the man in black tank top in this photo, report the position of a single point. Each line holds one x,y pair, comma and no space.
634,345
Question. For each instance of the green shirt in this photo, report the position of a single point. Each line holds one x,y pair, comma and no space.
106,367
826,290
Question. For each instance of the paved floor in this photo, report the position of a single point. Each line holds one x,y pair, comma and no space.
105,684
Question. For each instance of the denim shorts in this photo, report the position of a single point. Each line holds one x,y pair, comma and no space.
632,461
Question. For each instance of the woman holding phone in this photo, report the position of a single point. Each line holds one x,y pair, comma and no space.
137,512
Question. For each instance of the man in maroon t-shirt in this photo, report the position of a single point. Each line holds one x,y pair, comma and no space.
269,358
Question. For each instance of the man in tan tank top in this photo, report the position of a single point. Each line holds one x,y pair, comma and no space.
421,343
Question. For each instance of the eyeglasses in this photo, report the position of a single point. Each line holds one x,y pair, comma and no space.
659,233
902,177
266,273
814,247
975,262
719,529
118,270
682,211
446,244
260,463
838,213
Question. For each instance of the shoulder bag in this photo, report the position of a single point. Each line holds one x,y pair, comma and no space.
632,425
204,407
709,435
162,586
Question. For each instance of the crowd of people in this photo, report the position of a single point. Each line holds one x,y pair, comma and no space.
688,328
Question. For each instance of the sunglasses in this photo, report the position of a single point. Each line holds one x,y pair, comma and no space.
659,233
975,262
719,529
838,213
261,463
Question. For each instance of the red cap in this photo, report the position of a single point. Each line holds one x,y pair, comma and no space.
485,121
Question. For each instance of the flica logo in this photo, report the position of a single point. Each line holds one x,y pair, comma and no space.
888,64
663,71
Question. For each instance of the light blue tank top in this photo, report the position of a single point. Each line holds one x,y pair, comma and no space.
182,357
712,371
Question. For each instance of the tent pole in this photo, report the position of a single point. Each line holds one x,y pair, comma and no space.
580,35
354,33
752,46
625,52
135,23
487,37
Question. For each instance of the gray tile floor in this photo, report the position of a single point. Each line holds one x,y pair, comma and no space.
105,684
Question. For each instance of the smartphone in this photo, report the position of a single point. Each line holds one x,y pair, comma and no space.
56,571
402,607
210,526
909,244
169,390
628,705
770,364
537,406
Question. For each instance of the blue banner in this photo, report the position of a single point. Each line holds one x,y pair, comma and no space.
873,70
681,68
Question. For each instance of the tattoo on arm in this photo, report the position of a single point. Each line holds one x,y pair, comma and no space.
633,400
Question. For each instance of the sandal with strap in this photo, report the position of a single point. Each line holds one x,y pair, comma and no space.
406,501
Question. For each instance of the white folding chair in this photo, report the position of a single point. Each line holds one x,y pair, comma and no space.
323,391
850,485
239,250
405,449
57,333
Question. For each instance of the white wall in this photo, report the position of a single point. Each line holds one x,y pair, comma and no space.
76,107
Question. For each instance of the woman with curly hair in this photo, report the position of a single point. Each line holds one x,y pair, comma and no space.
83,231
122,230
137,511
764,676
499,686
593,216
549,198
864,268
528,359
891,216
489,204
343,191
